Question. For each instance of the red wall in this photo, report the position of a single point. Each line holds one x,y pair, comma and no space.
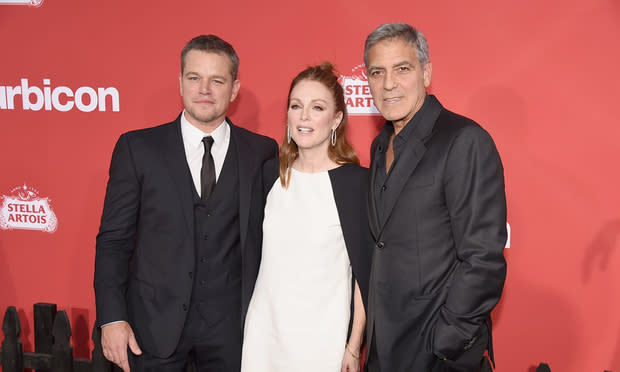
541,76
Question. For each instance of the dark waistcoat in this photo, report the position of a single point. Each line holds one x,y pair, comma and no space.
217,280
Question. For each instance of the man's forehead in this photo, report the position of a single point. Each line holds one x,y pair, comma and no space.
214,59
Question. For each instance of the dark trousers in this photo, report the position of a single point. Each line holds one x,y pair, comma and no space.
211,345
472,360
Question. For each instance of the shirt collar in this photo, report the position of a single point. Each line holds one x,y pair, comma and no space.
192,136
416,126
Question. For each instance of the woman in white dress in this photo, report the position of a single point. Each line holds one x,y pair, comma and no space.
307,309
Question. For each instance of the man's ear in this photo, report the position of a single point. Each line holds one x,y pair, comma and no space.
428,73
181,83
235,89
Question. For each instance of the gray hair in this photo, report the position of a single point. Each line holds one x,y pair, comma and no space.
402,31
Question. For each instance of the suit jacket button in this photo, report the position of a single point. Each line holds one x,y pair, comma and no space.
191,274
380,245
383,188
184,307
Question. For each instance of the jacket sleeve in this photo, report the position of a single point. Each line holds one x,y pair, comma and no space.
116,239
476,200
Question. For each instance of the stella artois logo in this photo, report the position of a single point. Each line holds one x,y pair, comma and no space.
25,209
357,92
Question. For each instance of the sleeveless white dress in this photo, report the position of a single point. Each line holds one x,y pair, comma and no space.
298,316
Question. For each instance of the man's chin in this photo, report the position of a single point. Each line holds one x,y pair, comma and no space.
388,113
392,117
203,117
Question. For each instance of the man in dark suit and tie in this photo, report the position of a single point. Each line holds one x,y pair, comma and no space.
437,211
179,244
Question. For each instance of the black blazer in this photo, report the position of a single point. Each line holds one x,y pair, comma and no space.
145,246
350,188
437,264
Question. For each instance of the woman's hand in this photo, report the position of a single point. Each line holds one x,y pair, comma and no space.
351,360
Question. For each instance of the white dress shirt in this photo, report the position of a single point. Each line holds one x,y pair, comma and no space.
194,149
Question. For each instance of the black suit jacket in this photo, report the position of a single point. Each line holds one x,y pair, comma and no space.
437,265
350,188
145,246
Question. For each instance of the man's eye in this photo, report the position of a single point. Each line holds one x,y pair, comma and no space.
403,69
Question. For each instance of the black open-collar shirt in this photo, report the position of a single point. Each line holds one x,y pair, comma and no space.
381,176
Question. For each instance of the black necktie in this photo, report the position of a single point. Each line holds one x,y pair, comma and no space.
207,173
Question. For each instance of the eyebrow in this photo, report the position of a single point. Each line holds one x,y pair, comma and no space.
222,77
403,63
398,64
312,101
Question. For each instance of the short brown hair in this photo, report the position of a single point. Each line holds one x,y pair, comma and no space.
212,44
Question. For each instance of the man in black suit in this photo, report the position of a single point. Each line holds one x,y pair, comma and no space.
179,244
437,211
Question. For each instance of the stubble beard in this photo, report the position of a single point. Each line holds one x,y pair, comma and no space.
204,119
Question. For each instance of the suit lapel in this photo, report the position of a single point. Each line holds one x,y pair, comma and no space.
245,169
410,157
400,174
173,153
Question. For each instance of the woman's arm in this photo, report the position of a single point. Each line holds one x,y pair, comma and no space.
351,359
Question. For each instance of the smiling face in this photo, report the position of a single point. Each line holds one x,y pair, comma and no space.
397,80
312,115
207,88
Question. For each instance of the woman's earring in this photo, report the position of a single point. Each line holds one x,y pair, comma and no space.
288,133
333,137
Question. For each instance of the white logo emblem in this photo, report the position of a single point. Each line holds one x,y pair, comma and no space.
61,98
24,209
35,3
357,92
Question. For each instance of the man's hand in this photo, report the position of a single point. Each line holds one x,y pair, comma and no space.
115,338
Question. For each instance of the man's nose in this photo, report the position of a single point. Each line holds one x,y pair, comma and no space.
204,87
389,82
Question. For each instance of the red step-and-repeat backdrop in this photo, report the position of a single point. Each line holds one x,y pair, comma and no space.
541,76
